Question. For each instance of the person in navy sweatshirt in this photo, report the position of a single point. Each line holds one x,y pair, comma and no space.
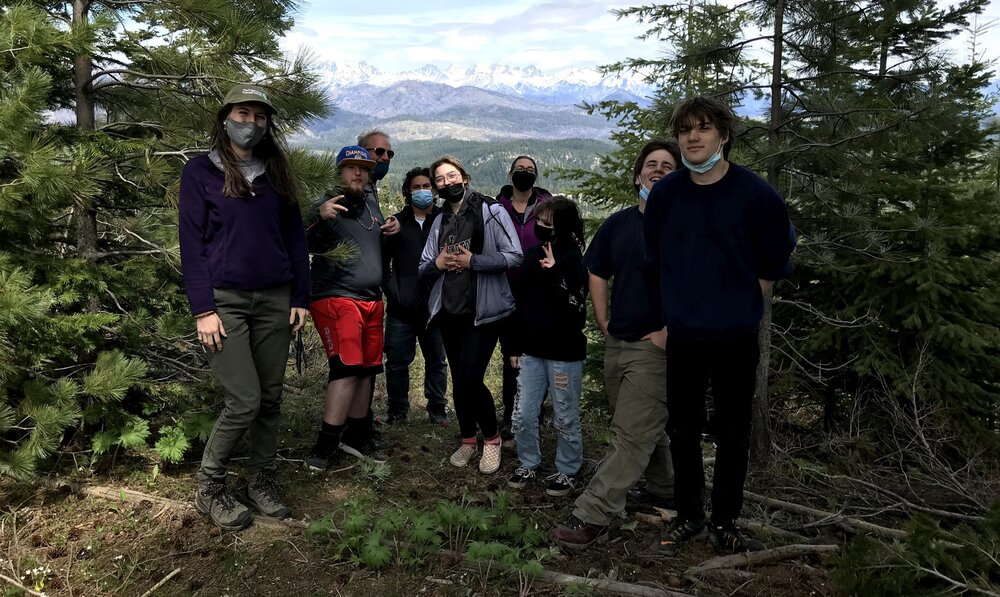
719,236
246,273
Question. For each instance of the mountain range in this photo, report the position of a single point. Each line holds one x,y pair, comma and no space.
481,104
564,87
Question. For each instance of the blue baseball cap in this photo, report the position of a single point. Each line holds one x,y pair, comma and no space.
355,155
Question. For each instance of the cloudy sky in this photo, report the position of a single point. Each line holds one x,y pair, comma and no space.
402,35
399,35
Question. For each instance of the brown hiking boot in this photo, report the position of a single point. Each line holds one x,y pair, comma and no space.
576,534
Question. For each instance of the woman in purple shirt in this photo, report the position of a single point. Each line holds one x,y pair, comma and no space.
246,273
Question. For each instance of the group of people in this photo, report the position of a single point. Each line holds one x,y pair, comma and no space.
696,255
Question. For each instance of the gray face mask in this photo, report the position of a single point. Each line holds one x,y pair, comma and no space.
244,134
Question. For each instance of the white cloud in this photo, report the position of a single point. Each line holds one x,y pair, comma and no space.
550,34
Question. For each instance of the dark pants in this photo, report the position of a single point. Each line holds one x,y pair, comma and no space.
731,367
509,388
469,348
251,370
400,349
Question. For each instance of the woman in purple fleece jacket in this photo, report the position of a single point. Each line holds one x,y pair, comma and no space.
246,273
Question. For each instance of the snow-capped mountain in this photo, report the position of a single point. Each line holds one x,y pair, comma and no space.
565,87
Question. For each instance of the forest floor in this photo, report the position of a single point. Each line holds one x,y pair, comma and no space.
124,527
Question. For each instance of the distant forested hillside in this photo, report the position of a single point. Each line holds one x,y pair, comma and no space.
488,162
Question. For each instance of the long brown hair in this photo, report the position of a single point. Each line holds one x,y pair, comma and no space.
271,150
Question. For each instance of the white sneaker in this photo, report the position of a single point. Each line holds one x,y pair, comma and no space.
490,462
463,455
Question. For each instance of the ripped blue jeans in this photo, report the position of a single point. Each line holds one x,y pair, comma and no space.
563,380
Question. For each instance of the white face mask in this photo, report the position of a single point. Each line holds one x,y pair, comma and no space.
707,164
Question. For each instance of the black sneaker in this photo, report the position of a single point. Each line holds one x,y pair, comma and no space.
395,418
560,484
216,500
678,533
318,460
365,451
521,477
729,539
264,496
438,419
640,499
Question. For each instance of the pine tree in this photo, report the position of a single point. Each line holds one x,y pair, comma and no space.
96,120
876,139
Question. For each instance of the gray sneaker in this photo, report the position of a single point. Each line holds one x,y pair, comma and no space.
216,500
264,496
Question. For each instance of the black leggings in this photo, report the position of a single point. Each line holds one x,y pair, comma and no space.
469,348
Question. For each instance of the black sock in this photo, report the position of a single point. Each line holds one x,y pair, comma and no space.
329,438
356,431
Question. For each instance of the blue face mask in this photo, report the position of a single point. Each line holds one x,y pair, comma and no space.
706,165
422,199
643,192
381,169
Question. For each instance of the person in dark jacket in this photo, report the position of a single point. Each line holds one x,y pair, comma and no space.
550,347
246,273
345,237
406,296
521,198
719,236
635,377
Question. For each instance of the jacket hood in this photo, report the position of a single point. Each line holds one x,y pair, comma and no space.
507,192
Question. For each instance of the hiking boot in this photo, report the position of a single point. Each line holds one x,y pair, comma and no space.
264,496
576,534
215,499
490,461
560,484
438,419
365,451
678,533
521,477
642,500
463,455
729,539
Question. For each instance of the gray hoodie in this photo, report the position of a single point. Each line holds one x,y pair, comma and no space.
501,251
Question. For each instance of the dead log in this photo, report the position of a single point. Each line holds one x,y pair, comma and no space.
753,558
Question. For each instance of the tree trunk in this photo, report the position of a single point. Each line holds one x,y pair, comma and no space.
84,212
760,435
774,165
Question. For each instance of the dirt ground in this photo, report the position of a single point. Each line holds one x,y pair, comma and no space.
56,539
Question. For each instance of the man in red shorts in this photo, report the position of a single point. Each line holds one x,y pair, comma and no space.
346,305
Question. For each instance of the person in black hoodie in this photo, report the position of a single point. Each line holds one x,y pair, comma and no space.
406,321
550,345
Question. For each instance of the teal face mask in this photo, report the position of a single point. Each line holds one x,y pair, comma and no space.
643,192
706,165
422,198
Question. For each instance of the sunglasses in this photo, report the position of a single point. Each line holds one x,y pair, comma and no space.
381,151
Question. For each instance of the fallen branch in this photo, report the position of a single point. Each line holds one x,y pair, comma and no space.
830,517
20,586
131,496
752,558
558,578
162,582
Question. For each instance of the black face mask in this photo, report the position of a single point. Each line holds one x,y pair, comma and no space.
543,234
523,180
452,193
